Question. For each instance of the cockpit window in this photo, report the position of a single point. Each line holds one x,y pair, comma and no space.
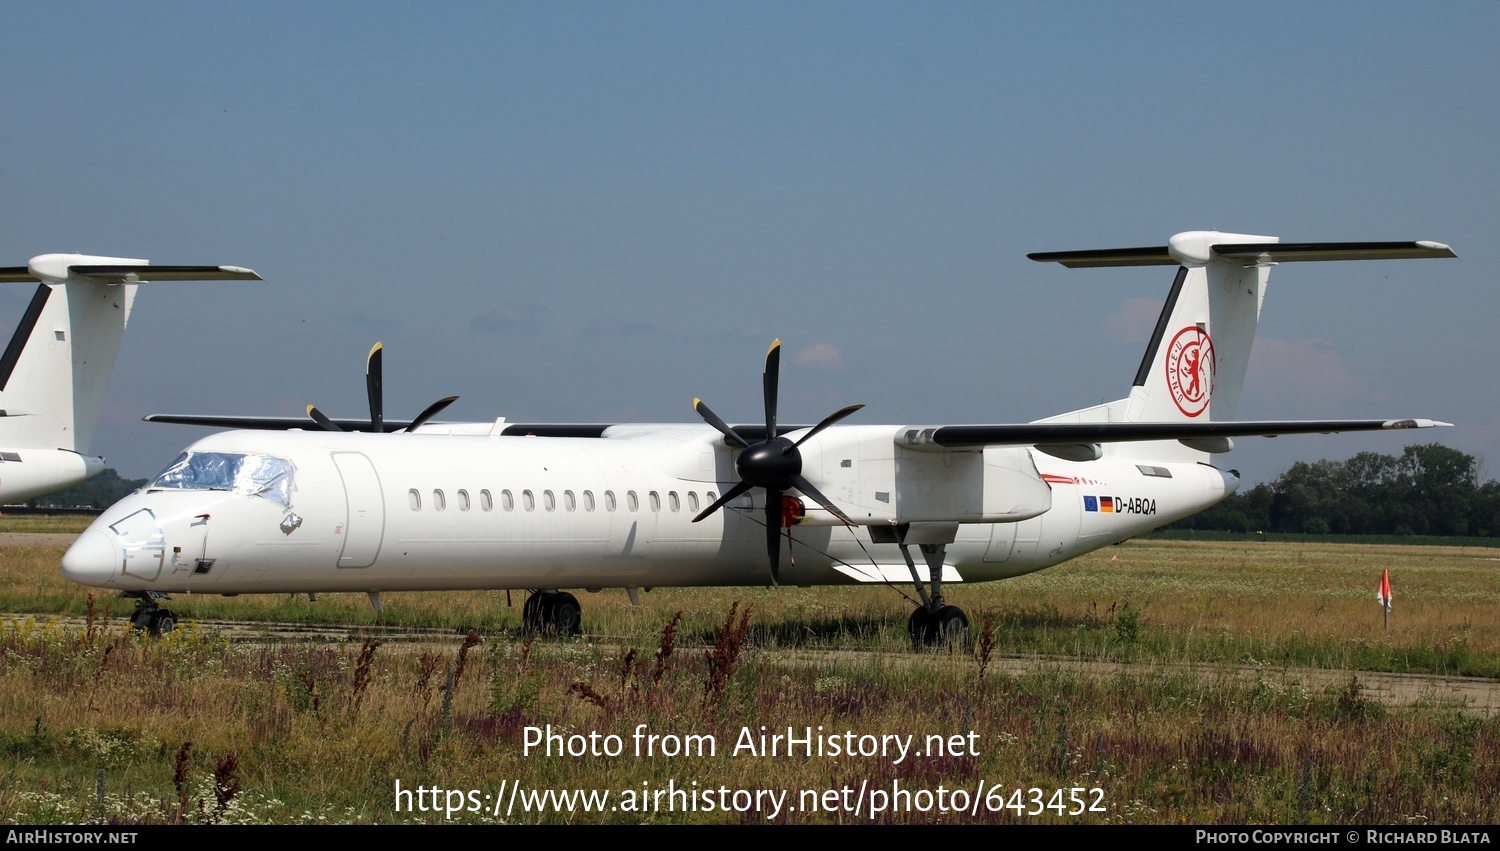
255,475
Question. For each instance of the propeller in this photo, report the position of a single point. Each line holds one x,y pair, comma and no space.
374,371
774,463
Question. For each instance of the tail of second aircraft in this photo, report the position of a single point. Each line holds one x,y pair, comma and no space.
1194,366
55,370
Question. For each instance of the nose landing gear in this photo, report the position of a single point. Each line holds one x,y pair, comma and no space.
150,616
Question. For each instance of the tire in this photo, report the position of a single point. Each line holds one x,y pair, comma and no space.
532,616
951,627
920,627
565,614
163,621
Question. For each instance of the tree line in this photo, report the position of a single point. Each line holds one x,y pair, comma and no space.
1429,489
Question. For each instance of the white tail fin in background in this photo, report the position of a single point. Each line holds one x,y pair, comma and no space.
1194,366
55,370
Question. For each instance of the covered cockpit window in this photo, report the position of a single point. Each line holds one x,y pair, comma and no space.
255,475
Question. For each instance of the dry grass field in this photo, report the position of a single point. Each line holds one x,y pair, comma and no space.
1143,683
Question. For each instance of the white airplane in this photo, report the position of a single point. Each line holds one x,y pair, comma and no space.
54,372
548,507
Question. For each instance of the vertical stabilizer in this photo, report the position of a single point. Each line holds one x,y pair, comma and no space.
1194,367
54,373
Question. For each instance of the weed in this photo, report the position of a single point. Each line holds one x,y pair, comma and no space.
362,673
586,692
724,656
985,646
470,642
226,784
180,779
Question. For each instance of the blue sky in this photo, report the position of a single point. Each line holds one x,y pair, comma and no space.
595,212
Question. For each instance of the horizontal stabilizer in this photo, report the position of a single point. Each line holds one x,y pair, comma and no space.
167,273
134,274
1029,434
60,267
1198,248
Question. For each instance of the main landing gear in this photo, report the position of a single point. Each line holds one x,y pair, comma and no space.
552,613
150,616
934,623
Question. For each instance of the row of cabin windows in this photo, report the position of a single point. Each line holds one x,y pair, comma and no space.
570,502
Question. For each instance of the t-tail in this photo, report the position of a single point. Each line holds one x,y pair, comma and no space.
1194,366
55,370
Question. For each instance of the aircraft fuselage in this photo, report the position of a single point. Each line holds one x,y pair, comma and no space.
330,511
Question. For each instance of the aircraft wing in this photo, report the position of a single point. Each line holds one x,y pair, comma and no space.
307,424
265,423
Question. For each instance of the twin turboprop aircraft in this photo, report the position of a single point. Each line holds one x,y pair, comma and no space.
56,368
409,506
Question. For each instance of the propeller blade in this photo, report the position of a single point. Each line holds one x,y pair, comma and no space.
828,421
431,411
322,419
773,533
806,487
771,379
373,370
713,419
729,496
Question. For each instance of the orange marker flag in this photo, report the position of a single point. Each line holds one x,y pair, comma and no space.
1384,597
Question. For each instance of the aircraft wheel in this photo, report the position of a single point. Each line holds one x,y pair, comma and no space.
163,621
565,615
532,619
920,627
951,627
552,613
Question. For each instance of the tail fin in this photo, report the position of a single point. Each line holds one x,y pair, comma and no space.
54,372
1194,366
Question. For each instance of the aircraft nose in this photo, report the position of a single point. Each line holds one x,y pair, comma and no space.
92,560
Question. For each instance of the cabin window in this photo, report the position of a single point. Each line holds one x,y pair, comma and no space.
528,501
673,502
549,501
710,497
569,502
414,499
693,501
485,502
507,501
655,501
588,500
631,502
438,501
609,500
463,499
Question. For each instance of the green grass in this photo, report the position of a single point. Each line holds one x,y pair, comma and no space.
1305,538
311,732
